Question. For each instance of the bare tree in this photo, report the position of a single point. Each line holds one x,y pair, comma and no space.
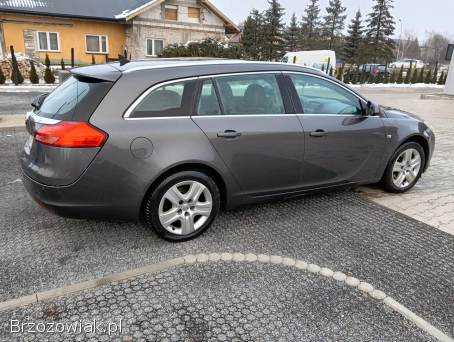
434,47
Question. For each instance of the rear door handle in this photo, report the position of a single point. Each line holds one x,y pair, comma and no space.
229,134
318,133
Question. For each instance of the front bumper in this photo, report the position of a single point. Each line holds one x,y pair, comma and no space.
430,137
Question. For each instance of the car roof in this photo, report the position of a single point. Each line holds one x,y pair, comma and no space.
112,71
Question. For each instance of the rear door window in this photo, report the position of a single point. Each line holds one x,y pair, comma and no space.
74,100
168,100
208,101
250,94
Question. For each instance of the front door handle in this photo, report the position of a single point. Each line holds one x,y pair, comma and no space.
229,134
318,133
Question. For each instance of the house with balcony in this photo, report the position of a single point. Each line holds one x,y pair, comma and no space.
105,28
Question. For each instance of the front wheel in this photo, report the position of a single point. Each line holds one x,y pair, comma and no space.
405,168
183,206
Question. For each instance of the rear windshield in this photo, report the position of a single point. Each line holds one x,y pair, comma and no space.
74,100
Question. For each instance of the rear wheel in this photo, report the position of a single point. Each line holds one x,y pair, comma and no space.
405,168
183,206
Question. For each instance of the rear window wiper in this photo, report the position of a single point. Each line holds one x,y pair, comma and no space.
38,101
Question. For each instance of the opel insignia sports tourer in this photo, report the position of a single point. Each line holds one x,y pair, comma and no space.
173,141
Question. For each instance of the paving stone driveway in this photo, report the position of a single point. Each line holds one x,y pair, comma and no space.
432,199
409,260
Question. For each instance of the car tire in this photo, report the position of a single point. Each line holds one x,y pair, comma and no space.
404,168
182,206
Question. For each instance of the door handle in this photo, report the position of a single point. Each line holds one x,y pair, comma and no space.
229,134
318,133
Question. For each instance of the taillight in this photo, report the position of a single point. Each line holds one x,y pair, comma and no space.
70,134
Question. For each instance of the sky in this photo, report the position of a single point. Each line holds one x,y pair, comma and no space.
418,16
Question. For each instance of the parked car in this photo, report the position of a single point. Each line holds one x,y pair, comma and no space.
375,69
406,63
319,59
172,141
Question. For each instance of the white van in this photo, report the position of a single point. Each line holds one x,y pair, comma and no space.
319,59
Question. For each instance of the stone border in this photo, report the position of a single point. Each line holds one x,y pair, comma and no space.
190,259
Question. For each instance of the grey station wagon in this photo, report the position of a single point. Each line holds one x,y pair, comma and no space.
173,141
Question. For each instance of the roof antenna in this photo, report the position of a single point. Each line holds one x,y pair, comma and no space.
123,58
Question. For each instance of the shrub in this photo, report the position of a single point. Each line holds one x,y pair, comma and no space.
207,48
2,77
93,60
48,75
34,78
62,63
16,76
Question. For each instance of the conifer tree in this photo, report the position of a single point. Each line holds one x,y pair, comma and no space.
48,75
421,76
253,35
441,79
415,76
333,22
16,76
2,76
93,60
428,78
435,75
408,75
291,35
274,31
310,27
400,77
393,78
62,63
354,39
34,78
347,76
380,28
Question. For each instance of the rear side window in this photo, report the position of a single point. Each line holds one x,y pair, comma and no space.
168,100
250,94
74,100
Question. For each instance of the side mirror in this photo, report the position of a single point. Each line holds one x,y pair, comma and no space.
372,109
37,102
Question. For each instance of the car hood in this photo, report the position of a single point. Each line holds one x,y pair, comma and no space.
398,114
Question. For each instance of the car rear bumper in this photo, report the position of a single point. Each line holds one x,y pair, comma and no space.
66,201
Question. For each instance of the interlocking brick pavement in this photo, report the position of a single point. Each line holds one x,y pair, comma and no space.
432,199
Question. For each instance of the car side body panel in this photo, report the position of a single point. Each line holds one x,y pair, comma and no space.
138,152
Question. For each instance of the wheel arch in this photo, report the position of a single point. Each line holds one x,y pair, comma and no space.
189,166
419,139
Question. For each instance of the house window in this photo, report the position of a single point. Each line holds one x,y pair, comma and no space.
96,44
171,12
48,41
194,13
154,47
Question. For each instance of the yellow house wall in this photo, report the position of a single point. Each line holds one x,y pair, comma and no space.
72,35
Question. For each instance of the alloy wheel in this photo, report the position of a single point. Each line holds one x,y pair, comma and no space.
406,168
185,207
